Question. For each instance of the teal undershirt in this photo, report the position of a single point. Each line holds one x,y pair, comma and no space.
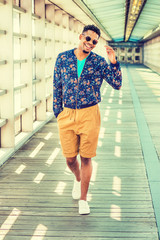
80,65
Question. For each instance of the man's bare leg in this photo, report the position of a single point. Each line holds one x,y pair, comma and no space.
73,165
86,172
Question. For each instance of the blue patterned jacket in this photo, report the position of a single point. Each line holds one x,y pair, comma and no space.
73,92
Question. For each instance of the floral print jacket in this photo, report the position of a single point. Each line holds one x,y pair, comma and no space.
73,92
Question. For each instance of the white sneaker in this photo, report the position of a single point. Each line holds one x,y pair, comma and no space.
76,191
83,207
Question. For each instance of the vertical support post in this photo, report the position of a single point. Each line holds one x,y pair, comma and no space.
58,32
50,11
40,66
26,69
65,28
6,79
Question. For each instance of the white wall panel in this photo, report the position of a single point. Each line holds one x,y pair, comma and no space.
152,54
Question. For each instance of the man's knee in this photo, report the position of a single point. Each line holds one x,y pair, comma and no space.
70,161
85,161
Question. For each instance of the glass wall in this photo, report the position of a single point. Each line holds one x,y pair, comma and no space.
152,54
128,54
32,34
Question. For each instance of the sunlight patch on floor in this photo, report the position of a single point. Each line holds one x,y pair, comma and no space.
40,232
48,136
115,212
102,131
119,117
67,171
36,150
39,177
118,137
89,197
8,223
117,151
94,171
120,94
20,169
120,102
112,93
53,156
104,91
116,186
100,143
110,100
60,188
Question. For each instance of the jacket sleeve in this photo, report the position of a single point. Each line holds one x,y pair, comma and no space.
57,88
112,74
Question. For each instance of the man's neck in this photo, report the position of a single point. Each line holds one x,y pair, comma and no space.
80,54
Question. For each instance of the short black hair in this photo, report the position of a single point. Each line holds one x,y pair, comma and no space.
92,28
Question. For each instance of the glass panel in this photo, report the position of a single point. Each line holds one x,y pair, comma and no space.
34,70
33,27
34,49
34,114
17,101
17,48
121,58
48,87
33,6
17,74
137,50
129,50
18,124
34,92
122,49
16,22
16,2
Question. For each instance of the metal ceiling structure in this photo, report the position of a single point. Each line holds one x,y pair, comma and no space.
119,20
148,22
111,14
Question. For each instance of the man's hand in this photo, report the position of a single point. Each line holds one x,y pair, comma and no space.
111,54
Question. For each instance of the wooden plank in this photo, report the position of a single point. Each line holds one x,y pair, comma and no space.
100,226
86,234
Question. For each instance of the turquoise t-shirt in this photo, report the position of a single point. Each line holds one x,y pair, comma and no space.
80,65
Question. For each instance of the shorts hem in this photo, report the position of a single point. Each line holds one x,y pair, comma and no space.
86,155
68,155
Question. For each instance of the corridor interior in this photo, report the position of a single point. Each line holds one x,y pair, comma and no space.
35,184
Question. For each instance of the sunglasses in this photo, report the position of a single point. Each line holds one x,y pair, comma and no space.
88,39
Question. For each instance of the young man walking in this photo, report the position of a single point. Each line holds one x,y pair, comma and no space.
78,76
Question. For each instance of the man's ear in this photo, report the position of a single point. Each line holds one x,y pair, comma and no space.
80,36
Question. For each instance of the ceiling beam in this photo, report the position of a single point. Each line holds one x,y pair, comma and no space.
133,11
90,14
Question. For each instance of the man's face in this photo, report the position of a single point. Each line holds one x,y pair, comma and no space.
88,41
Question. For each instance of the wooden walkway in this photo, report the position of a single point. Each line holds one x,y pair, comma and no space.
35,185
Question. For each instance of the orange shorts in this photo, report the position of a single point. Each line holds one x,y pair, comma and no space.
79,131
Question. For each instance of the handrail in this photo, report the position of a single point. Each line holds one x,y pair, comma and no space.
35,16
19,9
36,103
3,92
20,112
23,85
3,122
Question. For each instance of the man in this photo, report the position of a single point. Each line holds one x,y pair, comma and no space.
78,76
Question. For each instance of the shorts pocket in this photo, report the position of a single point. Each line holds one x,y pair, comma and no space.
60,114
